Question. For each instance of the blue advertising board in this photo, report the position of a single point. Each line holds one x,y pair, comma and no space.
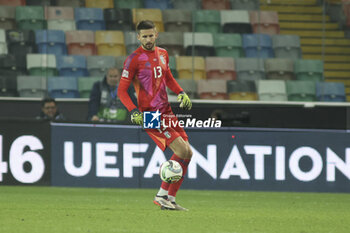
88,155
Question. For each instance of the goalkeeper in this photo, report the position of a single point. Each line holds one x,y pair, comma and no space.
147,68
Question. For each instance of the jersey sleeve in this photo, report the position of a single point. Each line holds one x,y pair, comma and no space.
170,80
129,71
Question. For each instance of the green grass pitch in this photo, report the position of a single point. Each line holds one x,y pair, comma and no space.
69,210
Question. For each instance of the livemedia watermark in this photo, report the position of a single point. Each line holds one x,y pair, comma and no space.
156,120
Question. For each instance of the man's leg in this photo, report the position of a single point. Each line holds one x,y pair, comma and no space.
182,154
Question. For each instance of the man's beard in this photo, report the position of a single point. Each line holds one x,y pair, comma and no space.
149,46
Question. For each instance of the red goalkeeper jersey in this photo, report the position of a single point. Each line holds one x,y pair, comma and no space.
150,74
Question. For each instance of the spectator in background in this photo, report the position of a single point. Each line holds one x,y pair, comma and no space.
104,104
49,110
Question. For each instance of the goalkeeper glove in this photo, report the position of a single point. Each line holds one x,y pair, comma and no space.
185,101
136,117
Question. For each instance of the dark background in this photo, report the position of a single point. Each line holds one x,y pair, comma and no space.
253,114
11,129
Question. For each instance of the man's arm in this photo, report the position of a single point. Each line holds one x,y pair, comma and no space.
132,94
171,83
136,115
182,97
128,74
170,80
124,95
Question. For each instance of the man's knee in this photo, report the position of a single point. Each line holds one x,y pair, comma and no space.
181,148
186,152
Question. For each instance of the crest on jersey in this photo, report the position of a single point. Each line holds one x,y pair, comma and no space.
162,59
125,74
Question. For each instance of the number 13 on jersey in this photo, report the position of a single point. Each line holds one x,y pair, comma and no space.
157,72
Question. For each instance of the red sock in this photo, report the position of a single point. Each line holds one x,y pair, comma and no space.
173,188
165,185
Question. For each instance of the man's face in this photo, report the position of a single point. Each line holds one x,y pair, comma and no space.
49,109
113,77
147,37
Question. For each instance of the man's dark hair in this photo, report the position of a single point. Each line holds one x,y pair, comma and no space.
47,100
144,25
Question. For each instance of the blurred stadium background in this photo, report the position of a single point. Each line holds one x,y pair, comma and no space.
267,64
270,50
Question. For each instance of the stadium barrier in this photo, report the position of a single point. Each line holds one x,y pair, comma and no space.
275,114
25,152
89,155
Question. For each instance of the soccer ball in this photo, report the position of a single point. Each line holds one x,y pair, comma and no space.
170,171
